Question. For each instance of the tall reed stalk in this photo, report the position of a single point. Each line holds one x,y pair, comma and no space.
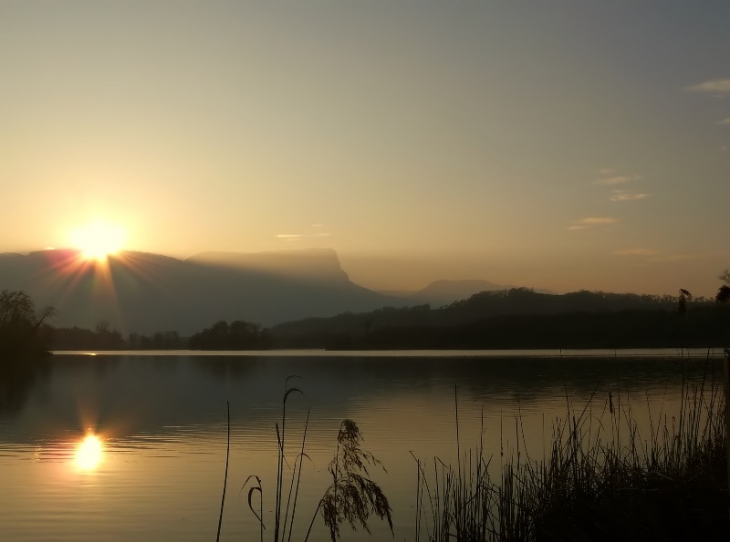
601,480
225,477
352,497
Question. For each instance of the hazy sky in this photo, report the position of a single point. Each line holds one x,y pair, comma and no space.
561,144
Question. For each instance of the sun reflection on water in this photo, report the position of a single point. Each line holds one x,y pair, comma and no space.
89,453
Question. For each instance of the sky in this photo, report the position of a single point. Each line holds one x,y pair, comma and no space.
559,145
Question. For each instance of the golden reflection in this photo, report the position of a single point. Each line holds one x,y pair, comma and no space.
89,452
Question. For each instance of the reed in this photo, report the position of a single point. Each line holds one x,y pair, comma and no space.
352,497
601,479
225,476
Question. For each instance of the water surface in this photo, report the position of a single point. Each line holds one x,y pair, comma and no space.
161,424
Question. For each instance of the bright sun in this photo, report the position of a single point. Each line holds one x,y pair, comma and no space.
98,240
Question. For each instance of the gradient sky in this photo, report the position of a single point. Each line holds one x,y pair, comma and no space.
561,144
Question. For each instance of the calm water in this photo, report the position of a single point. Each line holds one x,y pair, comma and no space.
161,423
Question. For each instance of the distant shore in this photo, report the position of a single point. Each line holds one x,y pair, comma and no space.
692,353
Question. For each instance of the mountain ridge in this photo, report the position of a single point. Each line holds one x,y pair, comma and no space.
145,292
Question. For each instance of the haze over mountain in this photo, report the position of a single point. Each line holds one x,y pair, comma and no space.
143,292
444,292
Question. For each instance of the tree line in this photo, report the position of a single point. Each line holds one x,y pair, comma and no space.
238,335
703,327
523,318
25,332
516,318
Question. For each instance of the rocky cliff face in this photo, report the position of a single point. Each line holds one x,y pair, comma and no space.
308,264
144,293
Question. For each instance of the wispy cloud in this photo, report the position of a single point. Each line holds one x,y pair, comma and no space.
622,195
721,87
605,171
678,258
619,179
318,225
637,252
291,237
725,121
592,221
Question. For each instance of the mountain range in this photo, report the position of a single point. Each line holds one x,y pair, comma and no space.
144,293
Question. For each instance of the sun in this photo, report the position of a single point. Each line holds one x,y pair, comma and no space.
98,240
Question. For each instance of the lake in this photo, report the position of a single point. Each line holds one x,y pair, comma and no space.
156,470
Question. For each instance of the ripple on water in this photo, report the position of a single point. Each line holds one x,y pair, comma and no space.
163,432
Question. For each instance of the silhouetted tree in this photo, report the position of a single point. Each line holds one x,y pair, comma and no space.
684,297
239,335
103,337
723,294
167,340
20,325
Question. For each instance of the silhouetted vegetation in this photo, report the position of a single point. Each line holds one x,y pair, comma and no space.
22,331
517,301
24,339
600,480
103,337
168,340
706,326
352,497
723,294
521,318
76,338
238,335
517,318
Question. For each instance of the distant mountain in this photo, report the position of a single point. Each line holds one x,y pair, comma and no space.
143,292
313,265
444,292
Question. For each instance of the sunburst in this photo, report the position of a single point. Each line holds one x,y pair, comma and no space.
98,240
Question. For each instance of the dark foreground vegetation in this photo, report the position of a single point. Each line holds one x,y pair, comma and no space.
597,481
599,478
352,497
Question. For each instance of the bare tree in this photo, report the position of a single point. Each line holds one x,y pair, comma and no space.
19,323
723,294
